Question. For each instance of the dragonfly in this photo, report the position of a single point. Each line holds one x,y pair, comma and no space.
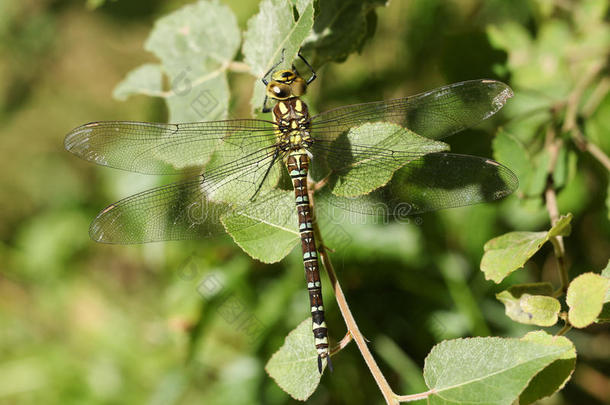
360,154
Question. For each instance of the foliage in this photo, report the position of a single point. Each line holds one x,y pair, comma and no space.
193,323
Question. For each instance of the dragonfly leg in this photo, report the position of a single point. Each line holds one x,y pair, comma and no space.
313,72
264,79
265,108
260,185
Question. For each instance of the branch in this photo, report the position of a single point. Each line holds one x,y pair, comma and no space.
570,125
554,145
350,322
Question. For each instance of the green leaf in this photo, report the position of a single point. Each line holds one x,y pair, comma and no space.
485,370
530,168
562,227
341,28
509,252
195,45
359,177
586,295
597,128
274,28
554,376
531,304
247,175
511,152
562,167
295,366
146,79
266,230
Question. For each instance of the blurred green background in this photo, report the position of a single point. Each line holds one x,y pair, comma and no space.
87,323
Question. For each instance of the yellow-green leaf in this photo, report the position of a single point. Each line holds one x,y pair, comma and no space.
509,252
267,229
485,370
295,366
586,295
555,375
531,304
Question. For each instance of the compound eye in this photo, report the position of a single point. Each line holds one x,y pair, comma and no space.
280,91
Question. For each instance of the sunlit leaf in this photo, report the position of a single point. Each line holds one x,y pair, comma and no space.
509,252
554,376
146,79
359,177
269,32
531,304
266,230
562,227
586,296
485,370
195,45
295,366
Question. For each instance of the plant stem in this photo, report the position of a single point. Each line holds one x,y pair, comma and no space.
559,250
590,147
550,197
570,125
415,397
564,330
350,322
352,326
238,67
353,332
344,342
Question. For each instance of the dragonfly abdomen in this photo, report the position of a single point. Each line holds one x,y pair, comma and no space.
298,166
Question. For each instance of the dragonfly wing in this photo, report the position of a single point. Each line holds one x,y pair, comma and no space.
176,211
432,182
156,148
365,158
194,208
435,114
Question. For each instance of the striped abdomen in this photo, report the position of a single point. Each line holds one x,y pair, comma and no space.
298,165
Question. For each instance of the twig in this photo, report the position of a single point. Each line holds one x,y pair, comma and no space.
564,330
570,125
239,67
574,99
596,97
352,326
593,149
353,332
344,342
415,397
553,145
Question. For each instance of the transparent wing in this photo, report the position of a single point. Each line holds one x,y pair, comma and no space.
194,208
434,114
156,148
432,182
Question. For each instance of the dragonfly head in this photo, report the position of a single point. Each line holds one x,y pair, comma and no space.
286,84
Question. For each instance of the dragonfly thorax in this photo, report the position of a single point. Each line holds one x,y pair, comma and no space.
292,124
